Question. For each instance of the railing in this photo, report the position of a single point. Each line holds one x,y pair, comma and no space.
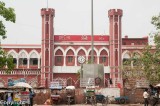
21,72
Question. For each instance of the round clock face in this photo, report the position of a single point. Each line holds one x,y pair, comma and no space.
81,59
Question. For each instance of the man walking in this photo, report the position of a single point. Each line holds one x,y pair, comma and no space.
31,95
145,96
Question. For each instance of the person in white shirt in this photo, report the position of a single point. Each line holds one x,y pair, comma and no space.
145,96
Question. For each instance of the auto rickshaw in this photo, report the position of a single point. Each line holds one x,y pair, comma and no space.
55,95
9,98
70,94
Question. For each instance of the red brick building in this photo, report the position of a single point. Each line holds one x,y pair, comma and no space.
56,58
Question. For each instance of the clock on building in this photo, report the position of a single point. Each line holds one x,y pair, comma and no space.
81,59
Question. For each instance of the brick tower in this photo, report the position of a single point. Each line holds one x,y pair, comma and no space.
115,48
47,46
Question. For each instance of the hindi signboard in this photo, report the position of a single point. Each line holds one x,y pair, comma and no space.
55,85
142,83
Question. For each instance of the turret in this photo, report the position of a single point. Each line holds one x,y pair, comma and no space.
47,46
115,44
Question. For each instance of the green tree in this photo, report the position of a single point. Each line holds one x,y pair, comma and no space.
6,61
151,54
132,66
149,61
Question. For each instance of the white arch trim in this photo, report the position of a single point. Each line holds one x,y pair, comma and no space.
103,48
81,48
125,52
68,48
94,50
34,51
23,54
58,48
13,53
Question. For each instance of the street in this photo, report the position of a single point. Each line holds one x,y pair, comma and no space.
97,105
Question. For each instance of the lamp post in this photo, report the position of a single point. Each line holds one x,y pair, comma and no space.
92,44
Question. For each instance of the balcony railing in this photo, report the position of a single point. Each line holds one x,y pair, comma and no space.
21,72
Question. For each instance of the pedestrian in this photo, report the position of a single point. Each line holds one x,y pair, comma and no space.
156,98
145,96
31,95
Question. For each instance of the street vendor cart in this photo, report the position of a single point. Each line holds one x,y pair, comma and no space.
55,94
11,97
90,95
70,94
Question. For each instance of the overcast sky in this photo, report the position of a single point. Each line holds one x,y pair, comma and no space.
74,17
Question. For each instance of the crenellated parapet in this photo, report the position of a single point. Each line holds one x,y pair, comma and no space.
49,11
118,12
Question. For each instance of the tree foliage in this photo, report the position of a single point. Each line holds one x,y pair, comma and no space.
8,14
132,66
151,55
6,61
149,61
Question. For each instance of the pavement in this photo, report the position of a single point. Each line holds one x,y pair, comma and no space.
97,105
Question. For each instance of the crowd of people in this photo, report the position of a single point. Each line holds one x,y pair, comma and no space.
151,96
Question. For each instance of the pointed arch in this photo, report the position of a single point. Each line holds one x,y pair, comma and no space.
59,48
13,53
23,54
103,48
95,52
34,58
34,54
81,51
126,54
69,48
23,58
81,48
103,56
59,57
70,56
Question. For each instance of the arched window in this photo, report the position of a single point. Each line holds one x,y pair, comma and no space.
23,59
14,57
59,58
126,59
70,58
94,57
103,59
33,59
